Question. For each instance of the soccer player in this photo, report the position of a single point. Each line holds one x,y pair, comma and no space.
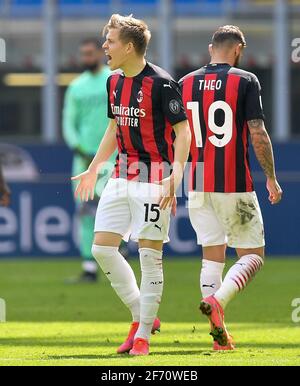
224,106
4,190
146,113
84,124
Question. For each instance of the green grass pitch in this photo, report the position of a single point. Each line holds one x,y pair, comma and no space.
50,323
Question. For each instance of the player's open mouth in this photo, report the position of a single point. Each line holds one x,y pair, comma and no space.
108,57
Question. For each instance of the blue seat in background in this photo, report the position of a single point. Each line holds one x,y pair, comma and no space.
26,2
141,8
201,7
26,8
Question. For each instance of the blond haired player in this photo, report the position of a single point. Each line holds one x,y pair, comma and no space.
146,114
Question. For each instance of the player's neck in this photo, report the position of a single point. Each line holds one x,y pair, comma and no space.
221,60
133,67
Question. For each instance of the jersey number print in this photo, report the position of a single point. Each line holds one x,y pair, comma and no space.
225,130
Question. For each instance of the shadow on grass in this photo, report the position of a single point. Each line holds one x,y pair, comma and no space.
40,342
126,356
198,343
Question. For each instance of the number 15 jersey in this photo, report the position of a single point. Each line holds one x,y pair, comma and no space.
219,100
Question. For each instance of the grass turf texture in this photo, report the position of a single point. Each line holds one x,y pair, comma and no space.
50,323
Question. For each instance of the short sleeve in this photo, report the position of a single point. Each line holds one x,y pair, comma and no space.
253,104
180,84
109,110
172,102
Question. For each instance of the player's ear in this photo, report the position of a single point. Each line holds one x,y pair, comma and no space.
239,49
210,49
129,48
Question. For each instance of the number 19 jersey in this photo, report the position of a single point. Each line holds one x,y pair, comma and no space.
219,100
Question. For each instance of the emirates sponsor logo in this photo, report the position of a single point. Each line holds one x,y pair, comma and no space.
133,112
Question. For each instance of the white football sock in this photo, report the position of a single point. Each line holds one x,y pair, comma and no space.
238,277
151,290
121,276
210,277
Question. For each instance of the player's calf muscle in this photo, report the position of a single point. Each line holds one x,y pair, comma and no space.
215,253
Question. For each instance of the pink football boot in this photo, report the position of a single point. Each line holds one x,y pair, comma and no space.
140,347
213,310
128,344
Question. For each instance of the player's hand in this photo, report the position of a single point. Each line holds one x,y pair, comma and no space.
174,206
4,195
275,191
86,187
169,187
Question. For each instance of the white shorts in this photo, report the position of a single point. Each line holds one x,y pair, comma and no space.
227,218
131,208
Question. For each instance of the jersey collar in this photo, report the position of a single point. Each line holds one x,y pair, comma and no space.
141,74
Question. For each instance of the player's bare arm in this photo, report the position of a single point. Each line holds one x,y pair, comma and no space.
106,148
4,191
181,151
264,153
88,179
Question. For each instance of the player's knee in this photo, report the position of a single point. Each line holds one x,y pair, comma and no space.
97,251
107,239
251,251
261,252
101,252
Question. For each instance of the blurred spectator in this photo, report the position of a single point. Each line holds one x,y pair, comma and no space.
84,124
4,190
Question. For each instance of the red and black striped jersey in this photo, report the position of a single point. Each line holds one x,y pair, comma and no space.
219,100
145,108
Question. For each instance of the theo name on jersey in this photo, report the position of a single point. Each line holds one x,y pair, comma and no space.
219,100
